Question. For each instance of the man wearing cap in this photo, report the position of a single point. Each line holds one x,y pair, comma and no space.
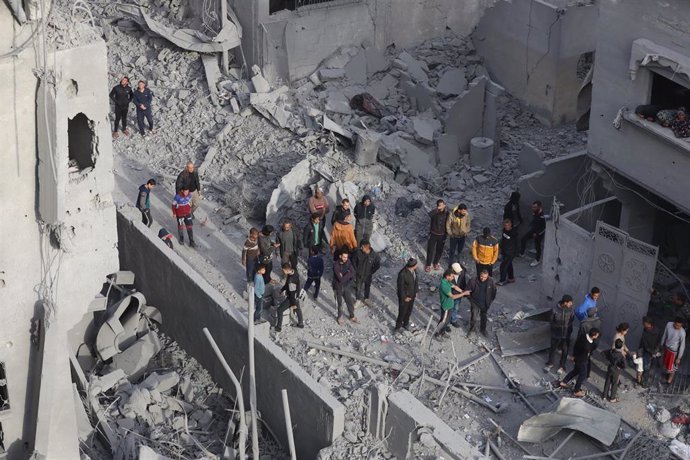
485,251
459,282
408,286
562,317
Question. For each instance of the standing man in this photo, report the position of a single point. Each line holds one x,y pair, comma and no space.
459,286
437,235
509,248
512,210
457,227
289,244
562,317
364,215
144,201
590,322
673,344
584,346
314,234
408,286
259,291
121,95
291,289
366,263
143,97
485,251
482,293
189,177
343,234
589,302
537,228
318,204
613,371
266,249
649,347
343,276
182,211
250,254
448,297
315,269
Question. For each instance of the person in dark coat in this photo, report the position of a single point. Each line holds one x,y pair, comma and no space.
314,233
437,235
616,365
144,202
291,288
582,351
512,210
266,249
649,347
121,95
509,249
482,293
143,98
289,244
315,269
536,230
408,286
562,317
364,215
189,177
366,263
343,278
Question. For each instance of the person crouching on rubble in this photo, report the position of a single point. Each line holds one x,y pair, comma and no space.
343,235
182,211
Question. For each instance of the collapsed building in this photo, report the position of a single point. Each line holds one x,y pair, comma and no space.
418,107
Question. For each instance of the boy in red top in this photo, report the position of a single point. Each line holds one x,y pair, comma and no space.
182,211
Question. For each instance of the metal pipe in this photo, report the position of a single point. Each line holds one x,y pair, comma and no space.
238,391
561,445
288,425
252,371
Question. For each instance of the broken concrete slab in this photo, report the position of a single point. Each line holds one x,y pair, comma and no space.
448,152
330,125
84,426
452,83
382,88
290,189
379,241
115,335
213,75
161,382
396,153
377,409
530,159
404,417
135,359
356,69
338,103
331,74
416,69
260,84
572,414
465,118
366,147
535,339
105,382
376,61
424,128
420,95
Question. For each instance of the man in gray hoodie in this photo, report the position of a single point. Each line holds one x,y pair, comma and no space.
673,344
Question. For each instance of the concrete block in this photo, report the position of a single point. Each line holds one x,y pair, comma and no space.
367,147
331,125
260,84
104,383
452,83
331,74
448,152
480,179
481,152
161,382
356,69
382,88
376,61
135,359
406,414
338,103
424,129
187,389
397,153
465,118
416,69
289,190
420,95
530,159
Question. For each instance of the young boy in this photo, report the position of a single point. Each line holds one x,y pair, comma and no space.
314,270
259,291
144,201
182,211
613,372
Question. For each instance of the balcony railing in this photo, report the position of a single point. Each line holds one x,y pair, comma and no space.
663,133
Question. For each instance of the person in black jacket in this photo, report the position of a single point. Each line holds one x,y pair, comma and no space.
291,288
144,202
408,286
584,346
512,210
437,235
482,293
343,277
562,317
649,347
314,233
121,95
537,228
143,98
613,371
366,263
509,249
364,214
189,178
266,249
289,244
315,269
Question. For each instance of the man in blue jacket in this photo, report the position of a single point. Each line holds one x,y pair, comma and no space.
143,97
589,302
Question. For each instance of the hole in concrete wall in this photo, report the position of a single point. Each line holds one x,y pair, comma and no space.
81,140
584,64
4,393
72,89
668,94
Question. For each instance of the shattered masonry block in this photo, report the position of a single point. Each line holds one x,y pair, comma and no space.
260,84
452,83
530,159
161,382
480,179
330,74
415,68
135,359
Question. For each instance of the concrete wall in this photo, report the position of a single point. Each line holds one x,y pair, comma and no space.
291,44
188,304
32,271
532,49
643,156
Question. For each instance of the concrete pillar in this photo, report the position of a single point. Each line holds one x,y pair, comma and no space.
637,216
490,126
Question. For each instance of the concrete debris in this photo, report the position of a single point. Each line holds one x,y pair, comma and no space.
213,75
367,103
425,128
448,152
356,69
330,125
261,85
535,339
416,69
84,427
290,189
100,384
402,156
452,83
531,159
481,152
338,103
376,61
366,147
465,117
161,382
330,74
135,360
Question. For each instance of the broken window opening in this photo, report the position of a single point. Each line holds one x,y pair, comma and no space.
667,93
280,5
4,393
81,143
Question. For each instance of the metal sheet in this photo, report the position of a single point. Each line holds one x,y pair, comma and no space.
573,414
536,339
